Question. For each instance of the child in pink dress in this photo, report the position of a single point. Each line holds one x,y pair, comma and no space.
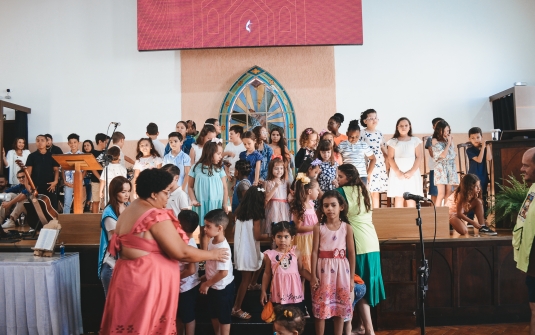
283,269
333,265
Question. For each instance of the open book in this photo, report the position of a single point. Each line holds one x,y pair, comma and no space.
47,239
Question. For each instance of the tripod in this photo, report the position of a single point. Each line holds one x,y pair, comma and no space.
423,273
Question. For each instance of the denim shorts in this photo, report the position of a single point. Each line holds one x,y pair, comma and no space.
433,190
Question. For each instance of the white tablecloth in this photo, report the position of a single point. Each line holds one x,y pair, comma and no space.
40,295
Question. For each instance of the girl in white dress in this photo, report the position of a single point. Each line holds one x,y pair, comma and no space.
207,133
247,236
404,155
374,138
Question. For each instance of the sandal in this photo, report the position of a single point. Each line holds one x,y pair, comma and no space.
254,287
360,331
240,314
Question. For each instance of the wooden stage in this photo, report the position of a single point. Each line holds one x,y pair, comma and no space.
473,278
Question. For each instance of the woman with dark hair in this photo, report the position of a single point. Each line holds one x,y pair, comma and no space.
119,193
368,258
334,125
277,143
148,240
19,152
87,148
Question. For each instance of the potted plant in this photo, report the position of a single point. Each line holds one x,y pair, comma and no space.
508,201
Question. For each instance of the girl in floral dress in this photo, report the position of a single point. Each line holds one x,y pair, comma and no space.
374,138
328,166
444,157
332,272
147,158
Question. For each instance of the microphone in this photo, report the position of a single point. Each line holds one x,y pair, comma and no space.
418,198
117,124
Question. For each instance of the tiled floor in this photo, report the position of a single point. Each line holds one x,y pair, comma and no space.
507,328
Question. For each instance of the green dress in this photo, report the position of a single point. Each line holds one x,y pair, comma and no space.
368,258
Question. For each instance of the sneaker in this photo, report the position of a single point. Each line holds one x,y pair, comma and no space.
9,223
486,231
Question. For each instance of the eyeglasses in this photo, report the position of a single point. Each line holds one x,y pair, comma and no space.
21,177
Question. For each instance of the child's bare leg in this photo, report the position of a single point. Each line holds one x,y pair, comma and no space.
319,325
476,205
458,225
190,328
217,326
441,193
448,192
399,202
224,329
256,274
179,327
376,198
365,314
338,325
242,290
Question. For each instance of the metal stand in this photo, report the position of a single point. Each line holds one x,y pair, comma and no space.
423,273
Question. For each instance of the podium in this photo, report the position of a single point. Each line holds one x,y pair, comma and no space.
78,163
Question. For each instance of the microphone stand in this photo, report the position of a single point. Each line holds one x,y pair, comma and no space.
423,273
107,159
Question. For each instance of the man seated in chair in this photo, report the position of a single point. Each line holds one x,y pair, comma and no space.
18,194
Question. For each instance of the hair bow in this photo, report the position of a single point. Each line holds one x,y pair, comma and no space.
302,177
316,162
323,131
217,140
208,124
261,189
309,131
276,156
288,313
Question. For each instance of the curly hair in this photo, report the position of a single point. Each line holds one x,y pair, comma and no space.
341,202
465,192
277,227
305,136
116,187
206,160
364,116
353,126
338,117
297,206
153,151
397,134
291,318
152,181
243,167
271,166
353,179
252,205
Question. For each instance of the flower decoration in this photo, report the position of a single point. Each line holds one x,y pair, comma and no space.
302,177
217,140
261,189
316,162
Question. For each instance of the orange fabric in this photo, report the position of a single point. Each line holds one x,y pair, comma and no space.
358,280
340,139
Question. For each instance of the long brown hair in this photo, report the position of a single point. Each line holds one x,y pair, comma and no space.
116,187
341,202
208,128
464,193
153,151
396,133
440,127
297,206
206,161
281,144
353,179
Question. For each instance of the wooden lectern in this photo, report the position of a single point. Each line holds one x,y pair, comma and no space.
78,163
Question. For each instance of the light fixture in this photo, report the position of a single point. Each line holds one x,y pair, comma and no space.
8,96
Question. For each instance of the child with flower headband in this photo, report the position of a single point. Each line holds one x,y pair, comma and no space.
308,141
247,237
304,216
277,190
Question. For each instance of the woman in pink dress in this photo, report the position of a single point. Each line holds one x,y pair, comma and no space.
144,289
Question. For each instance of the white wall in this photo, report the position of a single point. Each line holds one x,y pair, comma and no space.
424,59
76,64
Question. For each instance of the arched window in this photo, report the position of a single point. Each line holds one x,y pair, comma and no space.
257,98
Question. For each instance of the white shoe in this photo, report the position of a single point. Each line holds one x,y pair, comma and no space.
9,223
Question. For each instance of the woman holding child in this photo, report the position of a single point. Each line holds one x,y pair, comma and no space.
149,242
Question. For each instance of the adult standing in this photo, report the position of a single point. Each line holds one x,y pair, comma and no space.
100,144
44,170
334,125
19,152
524,233
149,242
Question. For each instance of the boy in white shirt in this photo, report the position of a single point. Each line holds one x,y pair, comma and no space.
232,154
118,141
218,282
114,169
179,158
152,133
68,176
178,199
189,278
